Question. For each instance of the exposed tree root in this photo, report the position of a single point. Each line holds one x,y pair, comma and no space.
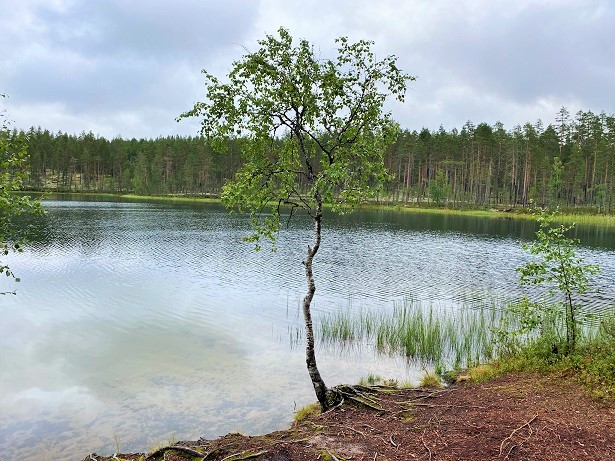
364,395
163,450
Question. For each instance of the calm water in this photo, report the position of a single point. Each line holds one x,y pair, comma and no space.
136,323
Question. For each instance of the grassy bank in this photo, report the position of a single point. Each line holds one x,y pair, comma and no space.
584,216
579,216
123,197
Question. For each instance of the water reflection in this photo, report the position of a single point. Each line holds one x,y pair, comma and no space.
135,321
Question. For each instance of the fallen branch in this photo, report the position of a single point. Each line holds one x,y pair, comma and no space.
316,426
510,451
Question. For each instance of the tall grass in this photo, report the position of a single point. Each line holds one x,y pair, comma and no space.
427,334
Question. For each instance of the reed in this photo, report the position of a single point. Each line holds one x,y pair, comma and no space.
427,334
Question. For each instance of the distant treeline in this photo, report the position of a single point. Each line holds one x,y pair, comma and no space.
568,163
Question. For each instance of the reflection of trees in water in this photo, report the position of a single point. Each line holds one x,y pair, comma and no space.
35,229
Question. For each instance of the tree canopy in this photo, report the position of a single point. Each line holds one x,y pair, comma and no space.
313,129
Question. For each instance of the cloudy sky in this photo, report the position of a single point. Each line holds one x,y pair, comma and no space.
129,67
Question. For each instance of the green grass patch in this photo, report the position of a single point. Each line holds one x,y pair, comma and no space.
579,216
171,198
125,197
430,379
306,412
586,219
370,380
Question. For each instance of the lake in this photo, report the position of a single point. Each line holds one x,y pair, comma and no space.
136,324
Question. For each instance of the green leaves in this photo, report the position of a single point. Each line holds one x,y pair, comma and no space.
314,128
13,170
558,268
439,188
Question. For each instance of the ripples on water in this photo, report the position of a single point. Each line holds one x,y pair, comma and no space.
135,321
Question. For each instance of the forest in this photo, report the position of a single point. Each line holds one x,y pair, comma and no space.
568,163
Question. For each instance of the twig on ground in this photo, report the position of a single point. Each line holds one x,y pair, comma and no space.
393,442
450,405
509,438
431,395
316,426
332,456
425,445
432,405
351,428
244,455
510,451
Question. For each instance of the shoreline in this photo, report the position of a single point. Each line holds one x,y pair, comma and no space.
585,216
513,416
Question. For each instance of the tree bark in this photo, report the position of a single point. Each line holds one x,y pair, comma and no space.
322,393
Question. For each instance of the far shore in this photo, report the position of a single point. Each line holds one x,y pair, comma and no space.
581,215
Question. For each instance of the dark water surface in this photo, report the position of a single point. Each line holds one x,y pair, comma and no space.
137,323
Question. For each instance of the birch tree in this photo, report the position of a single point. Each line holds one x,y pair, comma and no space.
314,131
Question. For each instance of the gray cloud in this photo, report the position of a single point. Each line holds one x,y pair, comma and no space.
129,68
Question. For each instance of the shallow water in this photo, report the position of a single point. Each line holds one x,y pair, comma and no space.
136,323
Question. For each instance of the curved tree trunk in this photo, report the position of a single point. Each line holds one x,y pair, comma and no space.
322,393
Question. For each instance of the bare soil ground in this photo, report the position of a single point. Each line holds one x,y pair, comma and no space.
514,417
